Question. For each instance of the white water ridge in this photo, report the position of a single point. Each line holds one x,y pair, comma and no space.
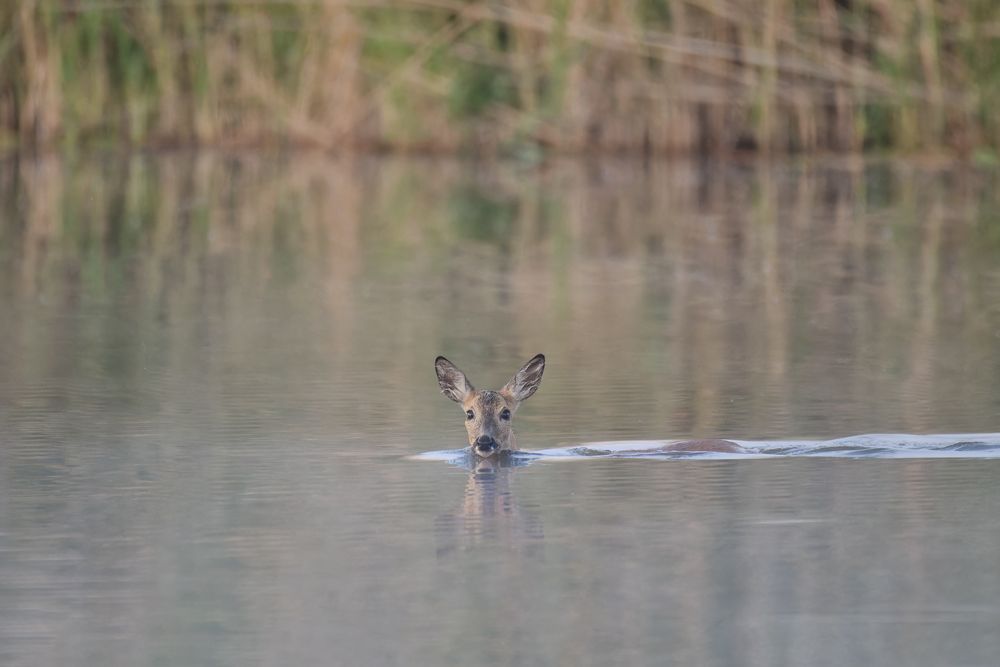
873,445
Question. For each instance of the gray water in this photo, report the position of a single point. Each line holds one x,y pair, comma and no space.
216,370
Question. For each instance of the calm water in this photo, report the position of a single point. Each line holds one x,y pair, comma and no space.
215,370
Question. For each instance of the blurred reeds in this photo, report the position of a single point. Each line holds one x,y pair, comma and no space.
636,76
748,282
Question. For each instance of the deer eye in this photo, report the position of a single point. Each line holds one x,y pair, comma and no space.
469,414
505,414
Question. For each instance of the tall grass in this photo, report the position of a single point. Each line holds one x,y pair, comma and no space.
652,76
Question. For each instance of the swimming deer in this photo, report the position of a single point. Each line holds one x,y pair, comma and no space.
488,413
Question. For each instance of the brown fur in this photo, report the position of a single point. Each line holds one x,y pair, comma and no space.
702,446
487,407
492,411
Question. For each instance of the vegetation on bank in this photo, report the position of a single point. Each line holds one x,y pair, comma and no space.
524,76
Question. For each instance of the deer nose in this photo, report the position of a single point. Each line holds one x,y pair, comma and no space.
485,442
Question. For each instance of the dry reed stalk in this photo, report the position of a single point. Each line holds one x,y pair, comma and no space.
656,76
38,120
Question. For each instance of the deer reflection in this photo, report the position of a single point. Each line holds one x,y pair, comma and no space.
489,515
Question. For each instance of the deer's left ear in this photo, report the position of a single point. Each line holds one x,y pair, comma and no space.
525,382
452,381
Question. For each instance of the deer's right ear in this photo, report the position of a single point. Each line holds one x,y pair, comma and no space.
452,381
525,382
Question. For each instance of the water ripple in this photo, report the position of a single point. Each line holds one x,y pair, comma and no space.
868,446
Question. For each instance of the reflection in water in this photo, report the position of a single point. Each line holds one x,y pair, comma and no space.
213,367
682,300
490,515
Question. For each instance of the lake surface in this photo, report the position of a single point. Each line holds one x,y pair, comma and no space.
216,370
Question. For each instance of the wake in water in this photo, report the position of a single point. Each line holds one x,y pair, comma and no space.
878,446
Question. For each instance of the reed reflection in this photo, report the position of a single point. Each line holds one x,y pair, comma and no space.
748,302
213,368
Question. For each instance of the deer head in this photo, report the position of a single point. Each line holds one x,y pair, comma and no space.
488,414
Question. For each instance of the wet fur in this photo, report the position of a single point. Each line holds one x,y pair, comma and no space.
703,446
487,407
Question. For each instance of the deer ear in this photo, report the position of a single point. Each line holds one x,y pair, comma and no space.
525,382
452,381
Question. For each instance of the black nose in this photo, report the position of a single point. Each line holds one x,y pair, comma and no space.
485,442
